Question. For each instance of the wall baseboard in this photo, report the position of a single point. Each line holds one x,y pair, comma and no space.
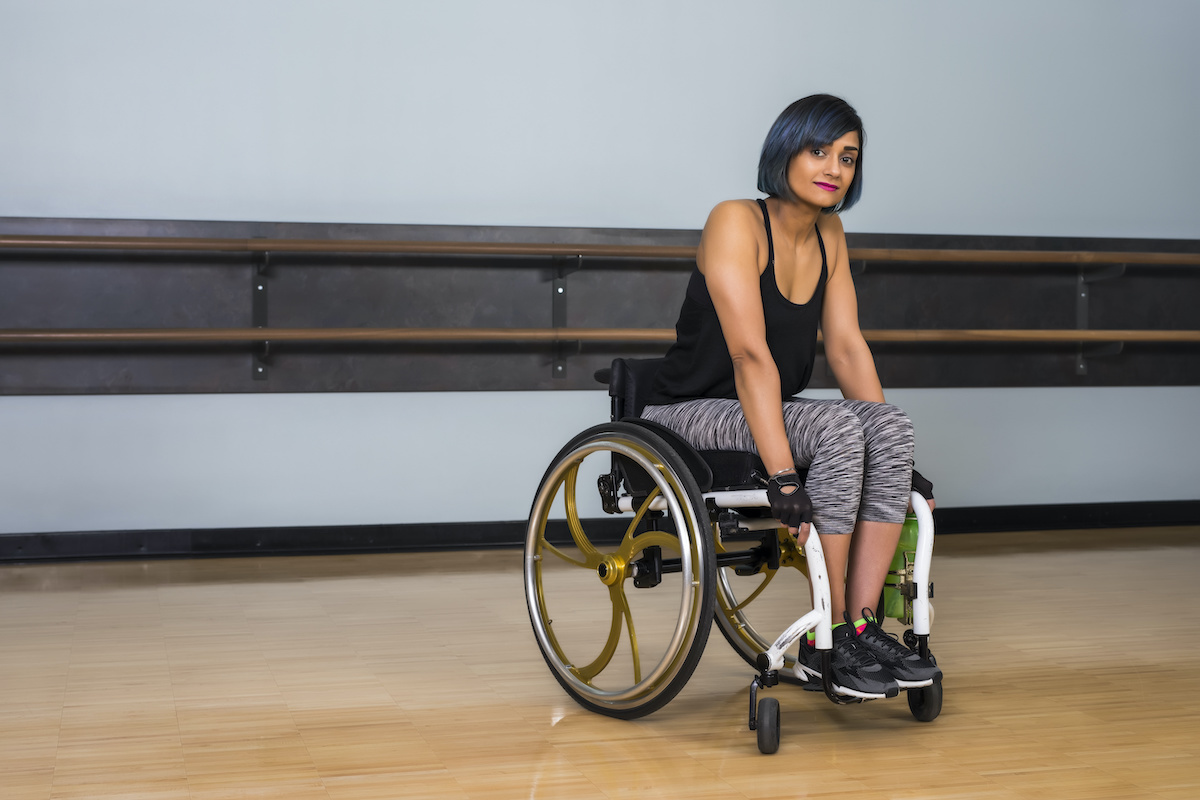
335,539
992,519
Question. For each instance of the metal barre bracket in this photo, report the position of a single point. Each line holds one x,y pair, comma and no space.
258,313
563,266
1083,277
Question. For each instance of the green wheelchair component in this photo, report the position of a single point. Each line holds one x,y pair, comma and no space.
899,588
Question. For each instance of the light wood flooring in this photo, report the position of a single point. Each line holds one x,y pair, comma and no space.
1072,664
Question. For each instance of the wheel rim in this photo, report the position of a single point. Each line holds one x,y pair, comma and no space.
613,568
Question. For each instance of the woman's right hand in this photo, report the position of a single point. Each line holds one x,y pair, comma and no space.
790,503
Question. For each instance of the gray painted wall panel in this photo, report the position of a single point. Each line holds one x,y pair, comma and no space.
213,461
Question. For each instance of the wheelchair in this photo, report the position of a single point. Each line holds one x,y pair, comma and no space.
636,542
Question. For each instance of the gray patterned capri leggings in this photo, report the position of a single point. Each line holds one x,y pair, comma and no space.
859,454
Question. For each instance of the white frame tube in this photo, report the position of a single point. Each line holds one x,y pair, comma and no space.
820,619
737,498
922,618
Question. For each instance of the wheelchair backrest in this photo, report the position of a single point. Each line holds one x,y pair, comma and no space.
629,382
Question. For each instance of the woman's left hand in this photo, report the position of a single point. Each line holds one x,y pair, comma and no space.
924,487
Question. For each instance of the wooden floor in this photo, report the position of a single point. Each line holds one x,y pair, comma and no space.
1072,667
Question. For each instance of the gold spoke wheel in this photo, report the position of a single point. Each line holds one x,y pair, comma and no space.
616,647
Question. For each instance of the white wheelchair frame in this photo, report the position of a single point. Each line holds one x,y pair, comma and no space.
820,618
704,521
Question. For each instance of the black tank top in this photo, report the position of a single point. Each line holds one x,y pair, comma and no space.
698,364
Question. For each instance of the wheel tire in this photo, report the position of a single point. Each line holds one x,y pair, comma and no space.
926,703
683,618
767,726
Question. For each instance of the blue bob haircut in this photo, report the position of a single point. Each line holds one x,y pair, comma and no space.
813,121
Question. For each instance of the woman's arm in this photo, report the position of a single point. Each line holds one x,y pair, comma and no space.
728,258
846,350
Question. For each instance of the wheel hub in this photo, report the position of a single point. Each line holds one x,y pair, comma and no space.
611,570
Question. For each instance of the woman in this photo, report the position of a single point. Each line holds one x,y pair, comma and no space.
768,272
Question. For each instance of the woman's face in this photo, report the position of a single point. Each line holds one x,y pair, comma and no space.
822,174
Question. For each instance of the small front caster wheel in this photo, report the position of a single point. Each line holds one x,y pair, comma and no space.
767,726
926,703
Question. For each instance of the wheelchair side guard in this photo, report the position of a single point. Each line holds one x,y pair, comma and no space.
695,464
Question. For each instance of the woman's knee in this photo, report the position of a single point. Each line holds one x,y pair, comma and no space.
835,475
888,429
835,433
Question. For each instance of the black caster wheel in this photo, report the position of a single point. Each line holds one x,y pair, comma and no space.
767,727
926,703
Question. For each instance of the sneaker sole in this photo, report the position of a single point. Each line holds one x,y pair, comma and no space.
812,676
918,684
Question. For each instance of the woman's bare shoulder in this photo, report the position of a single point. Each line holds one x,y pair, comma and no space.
733,213
730,234
830,226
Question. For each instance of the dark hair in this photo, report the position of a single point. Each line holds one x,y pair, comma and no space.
819,119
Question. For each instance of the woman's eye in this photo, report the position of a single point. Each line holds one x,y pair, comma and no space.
816,151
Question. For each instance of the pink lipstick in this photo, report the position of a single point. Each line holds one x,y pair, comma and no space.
829,187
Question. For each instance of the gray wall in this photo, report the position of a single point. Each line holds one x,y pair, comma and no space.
1025,118
201,461
1037,117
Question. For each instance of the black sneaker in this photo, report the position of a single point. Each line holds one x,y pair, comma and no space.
856,672
907,667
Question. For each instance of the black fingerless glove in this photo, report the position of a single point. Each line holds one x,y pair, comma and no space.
922,486
789,502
